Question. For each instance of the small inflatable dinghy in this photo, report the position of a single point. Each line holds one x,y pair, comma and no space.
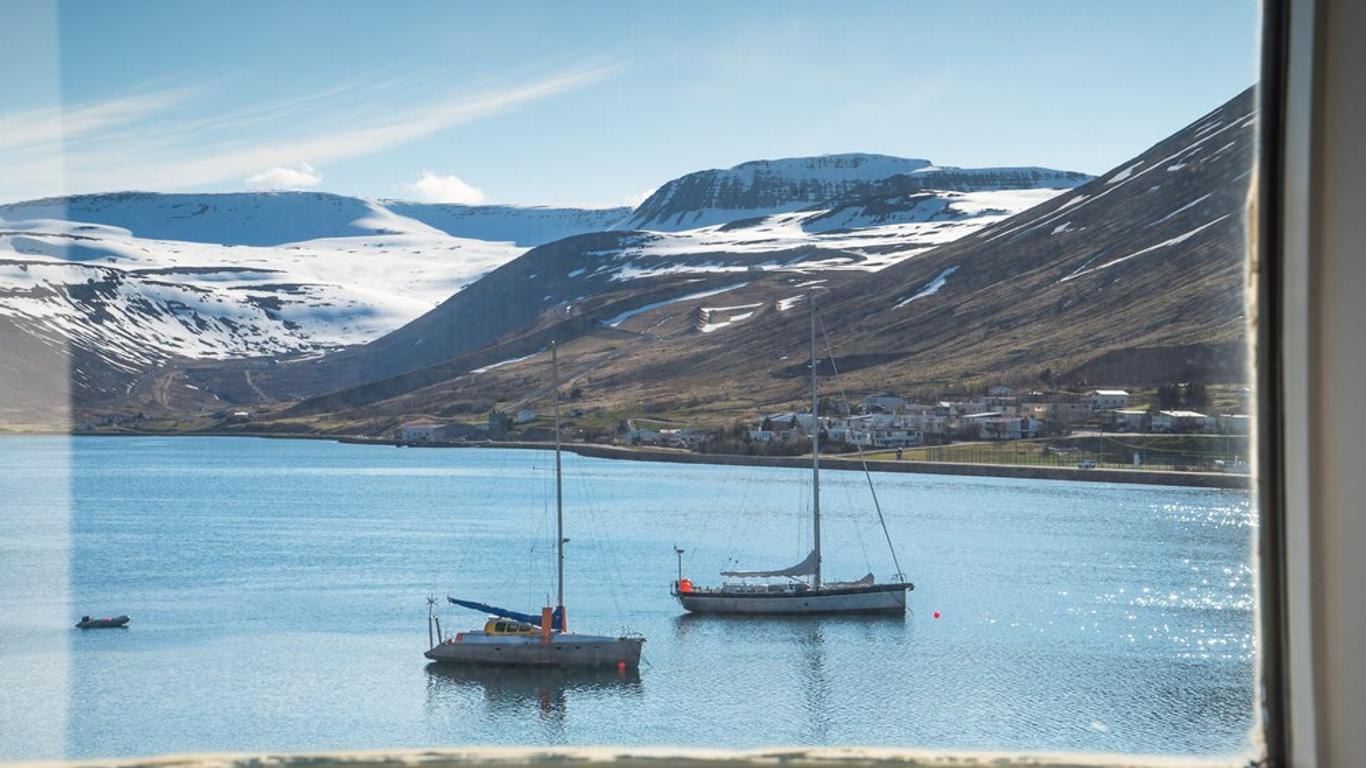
106,623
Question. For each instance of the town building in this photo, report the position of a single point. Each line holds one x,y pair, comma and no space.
1179,421
415,432
1108,399
878,430
1059,412
997,427
1126,420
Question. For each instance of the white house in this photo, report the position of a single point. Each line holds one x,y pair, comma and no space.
416,432
877,430
1060,412
1180,421
1008,427
1129,419
1108,399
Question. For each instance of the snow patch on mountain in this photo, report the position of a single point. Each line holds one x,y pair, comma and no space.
1181,238
847,238
930,288
630,313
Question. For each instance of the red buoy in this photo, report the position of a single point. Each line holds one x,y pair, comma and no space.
936,614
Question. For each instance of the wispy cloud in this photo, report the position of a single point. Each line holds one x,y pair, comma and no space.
435,188
130,143
301,176
47,125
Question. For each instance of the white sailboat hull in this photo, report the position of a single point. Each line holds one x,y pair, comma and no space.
880,598
561,650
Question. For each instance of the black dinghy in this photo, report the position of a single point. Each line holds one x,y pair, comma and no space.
114,622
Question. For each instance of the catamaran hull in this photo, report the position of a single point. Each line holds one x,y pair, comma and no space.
888,598
579,653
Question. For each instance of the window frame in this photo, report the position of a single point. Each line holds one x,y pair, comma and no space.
1279,295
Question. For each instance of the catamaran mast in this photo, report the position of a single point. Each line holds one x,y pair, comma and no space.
815,446
559,482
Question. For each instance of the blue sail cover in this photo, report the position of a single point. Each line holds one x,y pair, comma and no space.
556,618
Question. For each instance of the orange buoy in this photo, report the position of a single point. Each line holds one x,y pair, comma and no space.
685,585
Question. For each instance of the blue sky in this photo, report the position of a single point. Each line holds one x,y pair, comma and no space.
587,103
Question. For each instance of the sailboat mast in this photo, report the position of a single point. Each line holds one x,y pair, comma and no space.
815,445
559,481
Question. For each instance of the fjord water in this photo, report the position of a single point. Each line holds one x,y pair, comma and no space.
278,587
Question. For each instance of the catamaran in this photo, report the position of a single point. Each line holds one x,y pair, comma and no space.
804,592
513,638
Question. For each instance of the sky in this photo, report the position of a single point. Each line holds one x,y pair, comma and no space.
594,103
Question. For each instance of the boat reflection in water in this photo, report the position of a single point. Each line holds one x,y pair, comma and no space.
795,648
515,690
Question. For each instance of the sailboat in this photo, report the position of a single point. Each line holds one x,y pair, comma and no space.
805,592
513,638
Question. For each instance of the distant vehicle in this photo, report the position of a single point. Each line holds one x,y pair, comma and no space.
114,622
1086,464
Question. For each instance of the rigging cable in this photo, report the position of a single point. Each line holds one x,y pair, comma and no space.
839,384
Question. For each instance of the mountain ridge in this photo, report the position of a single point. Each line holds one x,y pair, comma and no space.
1135,277
764,187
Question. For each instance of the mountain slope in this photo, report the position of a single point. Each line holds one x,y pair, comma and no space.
1145,263
599,276
132,282
127,282
1133,278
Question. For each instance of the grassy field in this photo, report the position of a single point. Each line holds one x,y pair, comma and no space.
1117,451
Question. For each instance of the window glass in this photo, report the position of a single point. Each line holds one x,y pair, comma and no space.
920,326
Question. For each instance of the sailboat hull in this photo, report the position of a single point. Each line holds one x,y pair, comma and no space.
878,598
561,651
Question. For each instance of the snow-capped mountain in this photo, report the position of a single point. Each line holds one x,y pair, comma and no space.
240,218
764,187
136,279
595,278
1137,276
276,218
139,279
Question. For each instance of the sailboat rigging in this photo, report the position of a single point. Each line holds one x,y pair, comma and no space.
514,638
817,595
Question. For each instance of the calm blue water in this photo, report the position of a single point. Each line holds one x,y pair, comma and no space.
277,590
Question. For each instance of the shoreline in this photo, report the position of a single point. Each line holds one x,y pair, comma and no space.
1220,480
